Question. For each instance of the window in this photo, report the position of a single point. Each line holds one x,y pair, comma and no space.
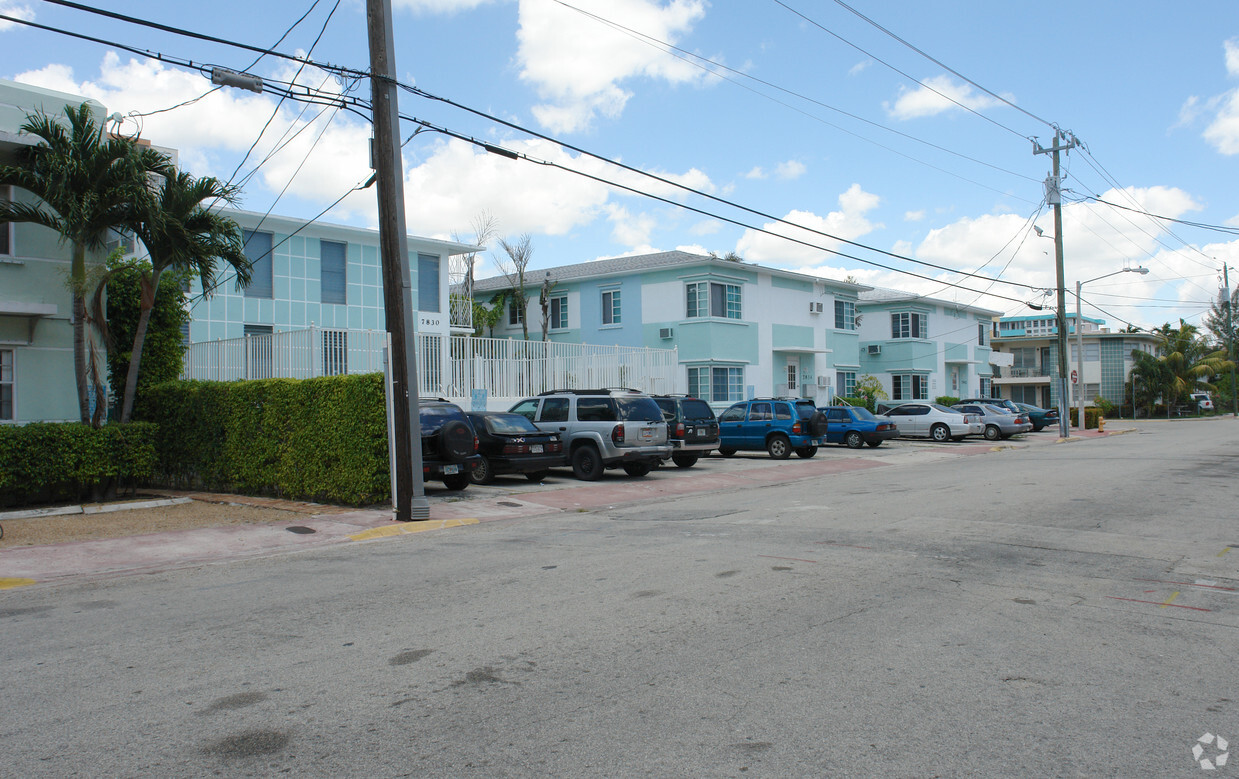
428,283
909,325
559,313
845,383
986,388
332,274
716,384
527,409
909,386
709,298
554,410
733,414
596,410
258,251
1092,351
516,314
6,384
335,352
760,412
6,230
980,334
845,315
611,307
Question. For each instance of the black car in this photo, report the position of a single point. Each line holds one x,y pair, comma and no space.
692,428
510,443
449,445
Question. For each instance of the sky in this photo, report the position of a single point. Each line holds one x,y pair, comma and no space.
892,141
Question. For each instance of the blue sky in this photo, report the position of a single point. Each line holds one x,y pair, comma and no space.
801,111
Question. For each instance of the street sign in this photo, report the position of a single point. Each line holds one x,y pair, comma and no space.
1075,378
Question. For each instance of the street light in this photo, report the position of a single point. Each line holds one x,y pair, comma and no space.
1080,341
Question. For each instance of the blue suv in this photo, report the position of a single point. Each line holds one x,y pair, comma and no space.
778,425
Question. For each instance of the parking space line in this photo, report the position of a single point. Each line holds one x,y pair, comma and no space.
794,559
1169,601
403,529
1156,603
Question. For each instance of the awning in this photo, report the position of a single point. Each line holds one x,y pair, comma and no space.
32,312
801,350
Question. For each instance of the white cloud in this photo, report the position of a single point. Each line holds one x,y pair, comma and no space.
16,10
913,216
859,67
755,173
790,170
577,64
712,226
848,222
1223,131
935,96
1231,47
631,230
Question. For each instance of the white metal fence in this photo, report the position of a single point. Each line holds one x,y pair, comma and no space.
451,366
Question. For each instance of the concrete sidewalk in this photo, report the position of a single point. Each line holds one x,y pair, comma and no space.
314,525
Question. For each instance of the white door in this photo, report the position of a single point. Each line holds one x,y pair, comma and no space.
793,377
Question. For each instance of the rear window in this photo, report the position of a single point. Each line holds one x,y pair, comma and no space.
598,410
805,410
639,410
862,413
667,406
433,417
509,424
697,409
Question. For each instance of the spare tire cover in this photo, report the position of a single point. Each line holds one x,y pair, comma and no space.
818,423
456,440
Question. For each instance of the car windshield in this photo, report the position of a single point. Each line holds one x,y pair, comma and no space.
860,413
639,410
509,424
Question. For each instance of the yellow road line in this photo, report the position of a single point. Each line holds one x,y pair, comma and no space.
10,583
1224,551
1169,600
404,528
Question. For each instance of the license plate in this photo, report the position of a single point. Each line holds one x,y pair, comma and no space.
647,434
535,448
450,469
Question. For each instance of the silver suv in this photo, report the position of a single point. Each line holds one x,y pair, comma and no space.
602,428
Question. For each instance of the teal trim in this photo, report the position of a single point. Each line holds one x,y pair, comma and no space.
710,340
779,282
791,335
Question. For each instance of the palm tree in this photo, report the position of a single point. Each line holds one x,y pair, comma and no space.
88,185
1189,360
181,232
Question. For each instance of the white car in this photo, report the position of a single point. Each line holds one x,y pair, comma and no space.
933,420
1203,401
998,421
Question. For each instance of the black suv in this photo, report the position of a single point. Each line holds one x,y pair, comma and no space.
692,428
449,445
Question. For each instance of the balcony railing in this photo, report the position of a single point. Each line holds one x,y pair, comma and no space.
450,366
1019,372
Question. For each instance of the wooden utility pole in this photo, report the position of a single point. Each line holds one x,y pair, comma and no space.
1053,192
410,498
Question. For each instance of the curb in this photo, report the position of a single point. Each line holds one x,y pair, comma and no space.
91,508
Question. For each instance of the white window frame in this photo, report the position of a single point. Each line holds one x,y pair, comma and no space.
8,379
699,300
847,309
845,383
904,324
734,378
516,314
612,307
899,380
557,320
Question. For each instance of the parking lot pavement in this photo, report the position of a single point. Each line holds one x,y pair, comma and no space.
507,498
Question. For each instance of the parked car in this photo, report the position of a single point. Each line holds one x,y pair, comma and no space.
856,426
998,421
1202,400
933,420
1040,417
602,428
780,426
1009,405
692,428
449,443
510,443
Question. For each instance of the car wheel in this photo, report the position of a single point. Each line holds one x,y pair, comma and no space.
684,460
482,474
874,444
456,481
726,451
940,433
636,469
456,440
805,452
992,433
779,447
536,476
854,440
587,464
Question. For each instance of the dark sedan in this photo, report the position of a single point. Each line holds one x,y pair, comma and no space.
1040,417
510,443
856,426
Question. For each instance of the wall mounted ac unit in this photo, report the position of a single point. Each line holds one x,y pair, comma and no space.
815,307
875,348
664,333
823,381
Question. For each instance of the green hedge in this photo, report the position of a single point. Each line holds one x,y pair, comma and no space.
48,462
1090,416
322,439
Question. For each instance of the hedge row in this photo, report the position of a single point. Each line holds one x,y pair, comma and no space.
48,462
322,439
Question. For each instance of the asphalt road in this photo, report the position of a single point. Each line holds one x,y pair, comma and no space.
1055,610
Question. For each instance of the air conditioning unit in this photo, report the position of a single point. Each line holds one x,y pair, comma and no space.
815,307
664,333
823,381
875,348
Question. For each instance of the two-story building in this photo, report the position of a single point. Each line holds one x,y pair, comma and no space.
922,348
739,330
1032,342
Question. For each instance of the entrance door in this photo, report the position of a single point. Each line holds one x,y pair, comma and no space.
793,377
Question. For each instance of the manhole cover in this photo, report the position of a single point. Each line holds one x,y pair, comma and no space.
301,530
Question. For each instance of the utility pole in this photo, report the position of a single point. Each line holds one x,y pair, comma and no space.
1053,195
1230,339
410,498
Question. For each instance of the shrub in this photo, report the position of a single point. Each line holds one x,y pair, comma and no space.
1090,416
322,439
863,402
946,400
51,462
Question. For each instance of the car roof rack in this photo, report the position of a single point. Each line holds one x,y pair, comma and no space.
602,391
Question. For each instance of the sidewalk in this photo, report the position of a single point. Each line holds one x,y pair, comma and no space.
313,525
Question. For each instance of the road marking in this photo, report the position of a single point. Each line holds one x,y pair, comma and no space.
796,559
1155,603
10,583
405,528
1169,600
1224,551
1190,584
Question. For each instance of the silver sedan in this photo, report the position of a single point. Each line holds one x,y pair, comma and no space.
934,421
999,423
